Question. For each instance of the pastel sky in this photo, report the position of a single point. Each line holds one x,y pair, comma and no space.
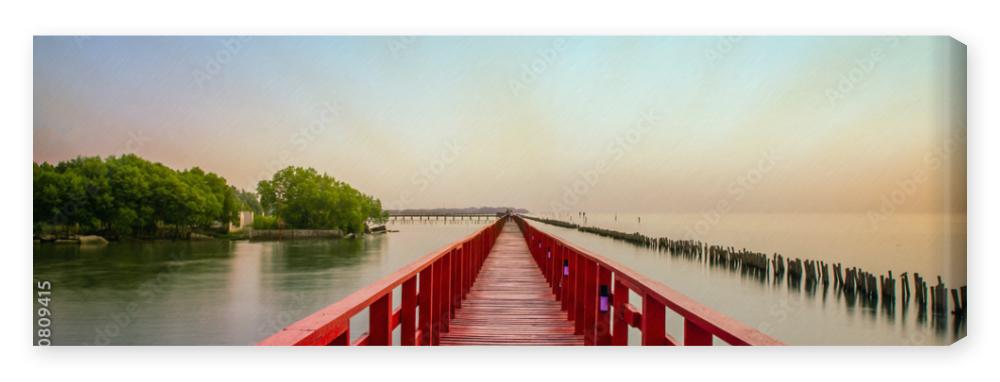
660,124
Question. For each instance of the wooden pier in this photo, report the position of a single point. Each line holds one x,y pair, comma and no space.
510,302
512,284
417,217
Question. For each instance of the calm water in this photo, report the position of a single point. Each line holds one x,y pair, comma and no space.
929,244
222,292
216,292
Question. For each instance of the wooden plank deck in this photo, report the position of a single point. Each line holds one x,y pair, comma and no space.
510,303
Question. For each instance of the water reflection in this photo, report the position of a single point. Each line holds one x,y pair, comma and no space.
318,255
216,292
131,264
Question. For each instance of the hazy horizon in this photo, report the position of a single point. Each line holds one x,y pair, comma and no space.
658,124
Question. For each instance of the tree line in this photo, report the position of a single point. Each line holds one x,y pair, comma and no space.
304,198
130,196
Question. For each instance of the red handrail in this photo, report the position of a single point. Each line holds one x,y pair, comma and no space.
445,277
583,282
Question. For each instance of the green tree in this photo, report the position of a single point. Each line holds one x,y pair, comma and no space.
128,195
304,198
249,201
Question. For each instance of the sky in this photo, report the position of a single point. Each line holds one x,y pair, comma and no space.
553,124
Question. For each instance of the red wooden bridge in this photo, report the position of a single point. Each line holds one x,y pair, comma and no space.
512,284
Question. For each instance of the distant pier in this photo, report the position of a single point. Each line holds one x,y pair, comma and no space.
443,216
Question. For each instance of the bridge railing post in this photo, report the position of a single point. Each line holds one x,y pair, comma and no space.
344,339
552,266
603,325
457,286
467,265
542,247
426,300
446,308
695,335
482,254
380,321
590,302
653,321
579,290
545,256
438,303
557,271
571,285
619,333
566,276
408,313
543,261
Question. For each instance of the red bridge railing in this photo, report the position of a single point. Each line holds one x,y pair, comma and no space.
436,283
592,289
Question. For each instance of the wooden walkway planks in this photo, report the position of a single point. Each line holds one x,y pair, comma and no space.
510,303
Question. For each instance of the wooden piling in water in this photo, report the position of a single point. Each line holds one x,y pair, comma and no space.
959,310
853,282
905,291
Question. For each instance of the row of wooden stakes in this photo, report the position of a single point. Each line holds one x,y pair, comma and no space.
853,282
